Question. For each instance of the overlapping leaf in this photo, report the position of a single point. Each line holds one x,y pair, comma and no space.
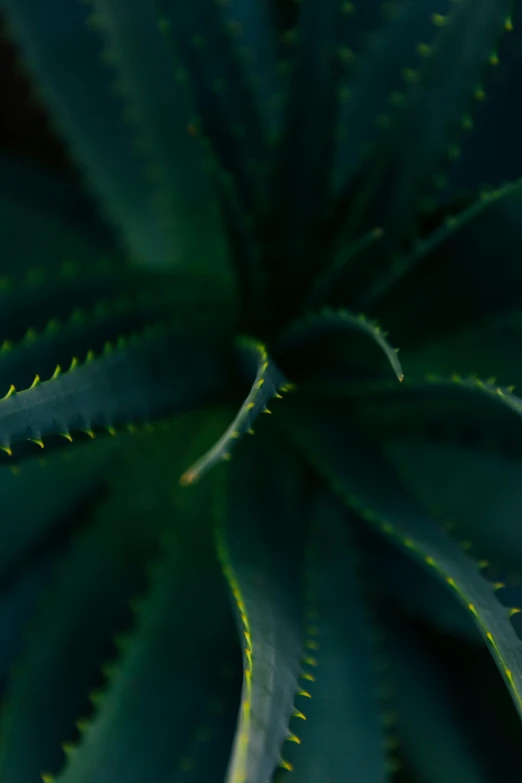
140,379
342,736
455,285
160,696
354,466
333,344
268,382
261,544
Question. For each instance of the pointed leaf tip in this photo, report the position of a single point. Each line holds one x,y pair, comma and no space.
268,382
328,322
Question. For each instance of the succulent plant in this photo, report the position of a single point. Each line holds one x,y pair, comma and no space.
270,179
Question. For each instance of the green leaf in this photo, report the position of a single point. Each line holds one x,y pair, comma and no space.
87,603
342,737
161,693
456,442
30,301
458,262
177,163
441,90
478,491
442,238
377,81
224,96
318,343
408,159
260,542
304,155
490,347
63,50
404,586
451,406
137,380
41,497
257,43
269,381
435,743
85,332
18,601
208,752
355,468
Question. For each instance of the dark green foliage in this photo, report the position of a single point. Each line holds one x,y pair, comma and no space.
277,183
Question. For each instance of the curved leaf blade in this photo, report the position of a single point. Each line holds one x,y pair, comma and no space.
329,324
406,588
452,72
377,75
440,238
40,499
63,51
460,264
224,97
354,468
269,381
342,737
73,631
186,197
259,547
476,491
142,378
162,688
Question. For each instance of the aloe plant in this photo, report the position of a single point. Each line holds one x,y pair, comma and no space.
185,602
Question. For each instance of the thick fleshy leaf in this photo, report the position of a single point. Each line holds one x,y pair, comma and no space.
490,348
405,164
401,584
432,738
30,300
342,737
163,688
269,381
304,157
74,630
142,378
456,442
209,749
478,491
378,79
148,73
260,545
85,332
257,44
442,90
40,500
18,602
330,341
356,469
441,239
467,409
461,266
64,50
491,153
224,96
